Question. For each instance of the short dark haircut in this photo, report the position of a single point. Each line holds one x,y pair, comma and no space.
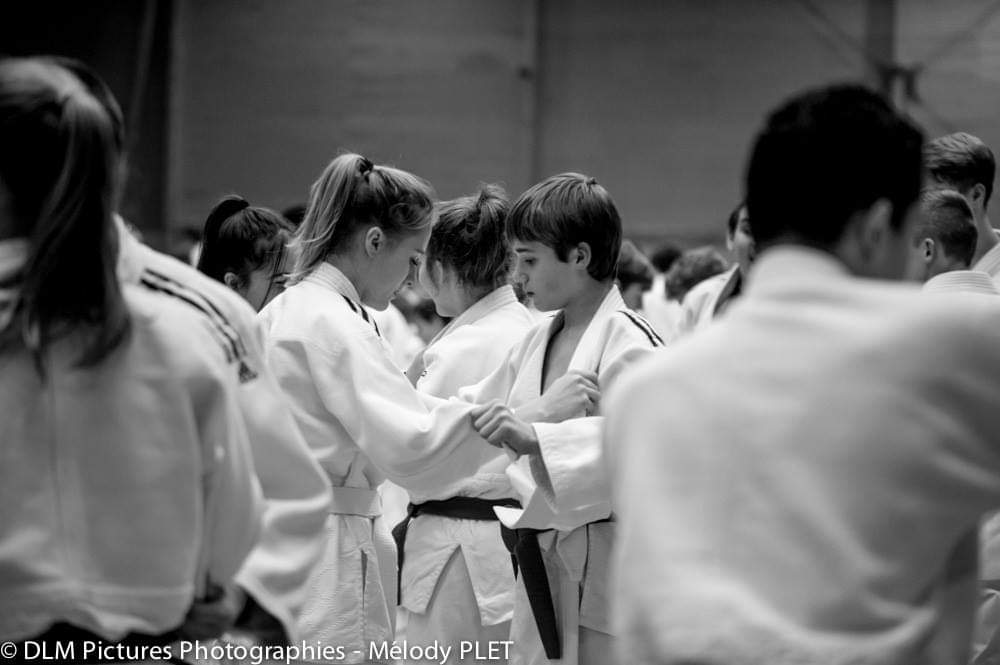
634,267
961,161
665,255
565,210
469,237
947,218
823,156
694,266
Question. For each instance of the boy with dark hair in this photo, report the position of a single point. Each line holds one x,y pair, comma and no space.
823,515
565,233
964,163
945,239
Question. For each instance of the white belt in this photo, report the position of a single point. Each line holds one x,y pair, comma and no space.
356,501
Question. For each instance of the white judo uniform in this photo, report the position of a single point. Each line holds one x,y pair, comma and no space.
457,581
707,299
566,493
810,465
128,488
363,421
295,489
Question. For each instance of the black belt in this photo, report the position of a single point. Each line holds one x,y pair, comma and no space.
523,546
64,633
458,507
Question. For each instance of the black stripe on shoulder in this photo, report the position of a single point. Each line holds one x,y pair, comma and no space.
208,307
644,326
225,342
350,303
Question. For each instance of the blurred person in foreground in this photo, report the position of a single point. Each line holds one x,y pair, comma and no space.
272,582
823,515
134,552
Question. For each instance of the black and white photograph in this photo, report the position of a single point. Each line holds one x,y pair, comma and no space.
501,332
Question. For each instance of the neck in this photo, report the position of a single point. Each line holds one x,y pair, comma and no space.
581,309
987,238
351,269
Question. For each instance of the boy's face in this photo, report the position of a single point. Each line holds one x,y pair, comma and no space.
547,280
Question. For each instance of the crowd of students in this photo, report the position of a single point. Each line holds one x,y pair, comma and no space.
786,464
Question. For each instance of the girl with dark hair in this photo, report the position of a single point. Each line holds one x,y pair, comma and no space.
244,248
457,579
363,237
120,422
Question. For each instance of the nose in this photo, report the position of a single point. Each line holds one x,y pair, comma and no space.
411,276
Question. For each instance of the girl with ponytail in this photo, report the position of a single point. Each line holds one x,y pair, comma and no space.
363,238
456,579
121,441
244,248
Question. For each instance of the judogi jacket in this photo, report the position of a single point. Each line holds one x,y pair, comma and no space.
295,489
363,422
792,482
708,299
468,349
126,489
566,488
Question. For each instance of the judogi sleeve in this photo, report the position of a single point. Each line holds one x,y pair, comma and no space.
419,442
571,469
296,492
232,496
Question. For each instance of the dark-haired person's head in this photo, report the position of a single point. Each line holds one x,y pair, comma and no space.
739,237
467,253
837,169
564,231
695,266
244,247
945,237
59,183
635,274
964,163
664,257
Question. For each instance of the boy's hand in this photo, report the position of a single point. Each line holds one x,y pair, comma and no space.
211,616
500,427
575,392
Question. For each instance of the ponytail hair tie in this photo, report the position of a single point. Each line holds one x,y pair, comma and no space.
365,167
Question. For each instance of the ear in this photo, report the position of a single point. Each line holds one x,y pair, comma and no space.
374,241
581,255
233,281
929,248
978,193
873,227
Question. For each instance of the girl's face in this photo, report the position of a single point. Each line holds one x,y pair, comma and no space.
443,287
267,281
394,265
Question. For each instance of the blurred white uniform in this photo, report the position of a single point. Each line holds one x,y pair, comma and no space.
811,514
295,489
126,489
707,299
458,582
363,420
565,490
663,314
